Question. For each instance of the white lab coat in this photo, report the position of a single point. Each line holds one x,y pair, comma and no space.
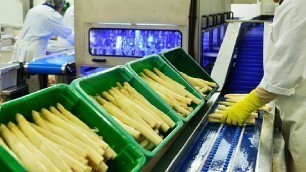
69,20
285,74
41,23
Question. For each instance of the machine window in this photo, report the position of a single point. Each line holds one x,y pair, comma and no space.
131,42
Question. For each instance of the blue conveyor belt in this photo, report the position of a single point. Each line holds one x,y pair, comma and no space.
51,64
87,70
248,69
223,148
224,154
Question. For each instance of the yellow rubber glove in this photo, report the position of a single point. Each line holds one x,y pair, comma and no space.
237,114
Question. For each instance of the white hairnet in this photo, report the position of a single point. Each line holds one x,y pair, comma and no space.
56,3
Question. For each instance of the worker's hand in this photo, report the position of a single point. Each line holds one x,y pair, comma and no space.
237,114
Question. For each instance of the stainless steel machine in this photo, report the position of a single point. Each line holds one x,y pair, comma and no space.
110,33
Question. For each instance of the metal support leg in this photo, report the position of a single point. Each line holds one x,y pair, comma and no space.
43,81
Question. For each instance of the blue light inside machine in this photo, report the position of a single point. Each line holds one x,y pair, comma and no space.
215,37
222,33
205,42
131,42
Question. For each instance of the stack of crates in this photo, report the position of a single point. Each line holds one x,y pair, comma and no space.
77,99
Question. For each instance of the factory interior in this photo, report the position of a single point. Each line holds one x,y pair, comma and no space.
143,85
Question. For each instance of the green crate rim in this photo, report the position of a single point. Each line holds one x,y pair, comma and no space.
214,90
142,160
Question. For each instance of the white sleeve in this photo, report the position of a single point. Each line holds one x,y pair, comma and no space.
59,27
286,68
69,17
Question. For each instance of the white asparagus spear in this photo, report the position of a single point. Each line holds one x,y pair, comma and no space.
129,129
80,123
140,98
57,139
94,158
131,112
3,144
88,132
166,84
27,159
35,139
148,117
36,152
217,118
166,78
73,130
153,137
265,108
164,126
71,161
38,120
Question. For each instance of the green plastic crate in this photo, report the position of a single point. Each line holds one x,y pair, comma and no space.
8,163
183,62
103,81
129,157
155,61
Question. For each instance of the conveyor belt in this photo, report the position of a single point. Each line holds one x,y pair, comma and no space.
248,69
56,64
223,148
204,146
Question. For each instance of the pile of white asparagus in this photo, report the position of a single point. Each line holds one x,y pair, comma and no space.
171,91
230,100
135,114
202,86
57,141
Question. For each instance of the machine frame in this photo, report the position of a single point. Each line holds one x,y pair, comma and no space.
128,14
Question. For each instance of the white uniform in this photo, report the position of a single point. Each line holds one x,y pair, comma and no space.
69,20
285,75
41,23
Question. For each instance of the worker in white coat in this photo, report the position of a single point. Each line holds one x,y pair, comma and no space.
41,23
284,81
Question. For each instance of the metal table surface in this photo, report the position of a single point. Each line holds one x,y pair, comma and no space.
202,146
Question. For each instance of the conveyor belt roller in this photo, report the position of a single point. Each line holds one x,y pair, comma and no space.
56,64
